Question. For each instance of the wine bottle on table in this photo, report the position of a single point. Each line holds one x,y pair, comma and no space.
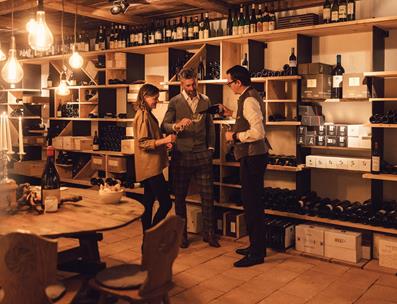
375,159
337,78
50,183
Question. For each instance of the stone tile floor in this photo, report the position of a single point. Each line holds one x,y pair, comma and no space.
205,275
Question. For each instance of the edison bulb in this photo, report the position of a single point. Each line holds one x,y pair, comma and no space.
12,71
76,61
31,25
63,88
41,38
2,55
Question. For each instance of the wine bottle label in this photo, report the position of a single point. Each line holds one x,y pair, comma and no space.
241,30
246,29
96,47
292,63
253,28
95,147
173,36
196,29
140,38
375,163
335,16
337,81
327,13
272,26
59,113
265,26
168,33
158,36
151,38
179,33
190,32
342,11
111,45
51,198
259,27
206,34
350,8
102,45
235,30
87,47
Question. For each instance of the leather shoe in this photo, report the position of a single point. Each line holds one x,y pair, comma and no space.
249,261
212,239
185,243
243,251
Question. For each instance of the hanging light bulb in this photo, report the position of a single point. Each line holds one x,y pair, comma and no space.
63,88
40,39
12,71
2,55
31,25
75,60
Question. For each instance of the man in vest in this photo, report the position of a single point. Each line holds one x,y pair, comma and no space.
250,149
192,154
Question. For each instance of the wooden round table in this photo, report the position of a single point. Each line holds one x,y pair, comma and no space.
83,220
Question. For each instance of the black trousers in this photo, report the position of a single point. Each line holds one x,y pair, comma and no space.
155,188
252,171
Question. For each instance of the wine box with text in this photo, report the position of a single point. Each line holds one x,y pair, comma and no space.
310,239
98,162
31,167
83,143
388,253
234,224
279,233
297,21
377,238
354,86
316,86
343,245
117,164
194,219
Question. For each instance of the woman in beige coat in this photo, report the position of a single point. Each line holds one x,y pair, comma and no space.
151,156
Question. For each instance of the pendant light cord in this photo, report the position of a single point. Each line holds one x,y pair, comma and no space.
75,24
63,42
12,17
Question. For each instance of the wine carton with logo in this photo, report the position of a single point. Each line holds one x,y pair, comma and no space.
355,86
388,253
343,245
309,239
194,219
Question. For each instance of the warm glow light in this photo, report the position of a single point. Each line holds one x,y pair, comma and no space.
12,71
63,88
41,38
31,25
76,61
2,55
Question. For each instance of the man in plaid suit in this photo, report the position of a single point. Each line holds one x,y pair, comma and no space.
192,155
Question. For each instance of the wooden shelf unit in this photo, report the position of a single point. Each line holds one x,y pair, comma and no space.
381,177
336,148
94,119
385,126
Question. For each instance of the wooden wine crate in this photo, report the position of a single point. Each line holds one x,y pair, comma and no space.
30,167
297,21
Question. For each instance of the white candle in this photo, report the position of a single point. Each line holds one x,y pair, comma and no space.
9,142
4,132
1,132
21,151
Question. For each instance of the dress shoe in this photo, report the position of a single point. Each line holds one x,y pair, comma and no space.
212,239
249,261
243,251
185,243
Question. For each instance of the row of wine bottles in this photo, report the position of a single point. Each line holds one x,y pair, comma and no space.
339,11
313,205
390,117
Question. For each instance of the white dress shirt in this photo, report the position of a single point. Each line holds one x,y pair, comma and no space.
193,102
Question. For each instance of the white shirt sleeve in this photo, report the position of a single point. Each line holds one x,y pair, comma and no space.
253,114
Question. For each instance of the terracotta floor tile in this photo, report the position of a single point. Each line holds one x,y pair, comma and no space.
338,293
244,274
379,292
176,290
193,259
179,267
127,256
222,283
240,295
374,266
186,280
197,295
279,297
387,280
358,277
373,301
330,268
278,275
294,266
202,273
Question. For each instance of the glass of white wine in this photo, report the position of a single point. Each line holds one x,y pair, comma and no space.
197,117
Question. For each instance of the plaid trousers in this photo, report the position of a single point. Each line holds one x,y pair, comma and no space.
197,165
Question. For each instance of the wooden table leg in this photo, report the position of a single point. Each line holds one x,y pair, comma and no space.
85,258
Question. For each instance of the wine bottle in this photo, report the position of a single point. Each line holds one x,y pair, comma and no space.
375,159
179,30
158,36
200,70
253,19
97,40
247,21
190,29
327,11
50,183
72,80
272,21
266,20
206,26
196,28
342,10
201,27
101,39
185,29
111,38
229,23
241,21
152,34
259,24
293,63
337,78
351,10
49,81
59,110
95,142
245,61
235,24
335,11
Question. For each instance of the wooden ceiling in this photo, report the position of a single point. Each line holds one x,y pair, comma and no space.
94,12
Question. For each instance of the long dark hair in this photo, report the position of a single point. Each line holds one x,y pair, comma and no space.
147,90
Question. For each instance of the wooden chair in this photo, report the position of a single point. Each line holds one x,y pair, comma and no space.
28,268
150,281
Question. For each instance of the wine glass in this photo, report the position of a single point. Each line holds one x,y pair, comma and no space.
196,117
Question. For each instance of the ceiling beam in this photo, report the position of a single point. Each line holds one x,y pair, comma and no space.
93,12
210,5
19,5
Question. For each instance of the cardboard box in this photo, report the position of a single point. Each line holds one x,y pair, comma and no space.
331,141
388,253
331,130
343,245
331,163
359,130
320,140
128,146
312,110
377,238
309,239
194,219
98,162
341,163
30,167
68,142
117,164
321,162
312,120
303,68
319,68
302,130
234,224
342,141
129,131
354,86
364,165
320,130
83,143
316,86
311,161
342,130
359,142
353,164
310,140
